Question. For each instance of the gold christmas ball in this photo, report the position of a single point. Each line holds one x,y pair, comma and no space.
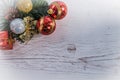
25,5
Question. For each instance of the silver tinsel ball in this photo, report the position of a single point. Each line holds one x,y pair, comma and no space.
17,26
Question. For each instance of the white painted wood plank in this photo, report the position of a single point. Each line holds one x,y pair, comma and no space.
87,42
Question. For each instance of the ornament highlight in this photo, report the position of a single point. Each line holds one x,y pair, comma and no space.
46,25
57,10
17,26
25,5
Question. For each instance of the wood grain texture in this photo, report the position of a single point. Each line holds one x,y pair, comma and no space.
87,41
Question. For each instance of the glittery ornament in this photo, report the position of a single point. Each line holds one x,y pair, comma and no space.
30,29
57,10
25,5
46,25
17,26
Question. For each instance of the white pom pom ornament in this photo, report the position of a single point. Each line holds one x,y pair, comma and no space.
17,26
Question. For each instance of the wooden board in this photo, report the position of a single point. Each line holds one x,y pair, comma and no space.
85,45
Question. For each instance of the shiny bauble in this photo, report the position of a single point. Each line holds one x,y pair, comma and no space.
46,25
25,5
57,10
17,26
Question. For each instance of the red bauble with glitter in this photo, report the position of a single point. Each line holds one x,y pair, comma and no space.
57,10
46,25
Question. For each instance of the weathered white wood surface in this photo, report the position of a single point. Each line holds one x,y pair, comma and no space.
86,46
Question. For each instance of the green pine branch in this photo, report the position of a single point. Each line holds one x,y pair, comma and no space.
40,8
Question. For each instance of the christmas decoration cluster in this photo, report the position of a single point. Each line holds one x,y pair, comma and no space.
22,19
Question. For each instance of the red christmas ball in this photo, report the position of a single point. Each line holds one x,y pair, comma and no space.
46,25
57,10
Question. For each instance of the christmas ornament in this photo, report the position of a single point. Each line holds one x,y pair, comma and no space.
20,20
30,29
57,10
46,25
6,42
25,5
17,26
